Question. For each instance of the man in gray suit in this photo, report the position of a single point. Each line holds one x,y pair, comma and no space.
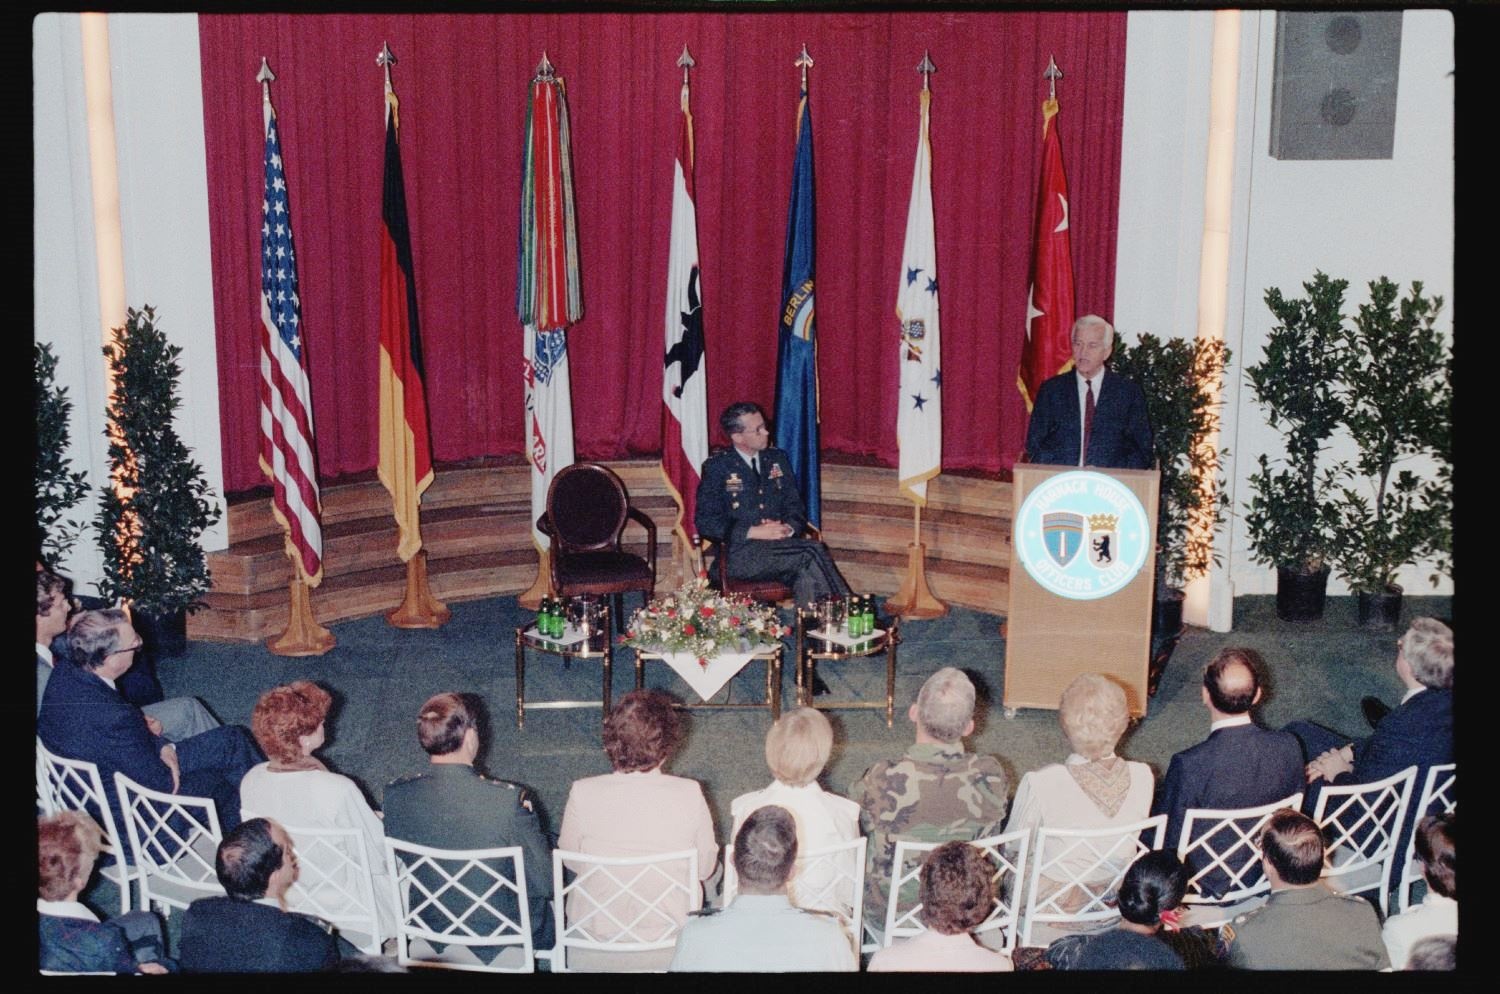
451,805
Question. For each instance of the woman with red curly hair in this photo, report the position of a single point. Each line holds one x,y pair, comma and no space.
636,811
295,789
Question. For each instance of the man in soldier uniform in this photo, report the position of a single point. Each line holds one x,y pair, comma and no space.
749,498
451,805
1304,925
240,934
936,792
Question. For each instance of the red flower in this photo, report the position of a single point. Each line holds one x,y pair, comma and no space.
702,662
688,629
785,632
672,613
706,611
703,574
734,620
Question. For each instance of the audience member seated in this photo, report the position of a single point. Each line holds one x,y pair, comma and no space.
1147,937
83,716
1092,788
295,788
760,931
1418,732
72,939
936,792
1438,912
1239,765
179,718
250,930
637,810
1304,925
957,891
451,805
1436,952
797,748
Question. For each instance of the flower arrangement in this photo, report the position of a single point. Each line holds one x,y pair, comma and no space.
704,622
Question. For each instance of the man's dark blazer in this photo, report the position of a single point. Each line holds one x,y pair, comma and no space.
228,935
1417,733
730,502
73,945
1243,766
82,717
1122,432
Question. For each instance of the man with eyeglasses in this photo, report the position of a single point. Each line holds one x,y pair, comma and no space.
84,716
748,498
174,719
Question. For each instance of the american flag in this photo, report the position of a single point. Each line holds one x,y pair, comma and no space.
285,401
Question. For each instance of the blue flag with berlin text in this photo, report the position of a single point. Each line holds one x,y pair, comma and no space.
797,351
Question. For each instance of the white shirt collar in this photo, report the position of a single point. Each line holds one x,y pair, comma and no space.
1074,759
748,458
1413,692
1233,721
65,909
106,680
44,652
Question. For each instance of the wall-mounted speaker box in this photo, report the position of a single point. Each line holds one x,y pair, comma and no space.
1334,91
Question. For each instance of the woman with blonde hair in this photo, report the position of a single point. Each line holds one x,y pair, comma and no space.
797,748
297,790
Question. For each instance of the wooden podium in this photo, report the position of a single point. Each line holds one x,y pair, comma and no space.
1091,611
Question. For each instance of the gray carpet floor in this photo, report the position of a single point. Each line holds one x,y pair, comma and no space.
380,676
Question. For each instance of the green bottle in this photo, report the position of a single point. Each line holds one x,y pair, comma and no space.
544,617
558,623
869,614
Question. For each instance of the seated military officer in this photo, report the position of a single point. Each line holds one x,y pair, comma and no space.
749,498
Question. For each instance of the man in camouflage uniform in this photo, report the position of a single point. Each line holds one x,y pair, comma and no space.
1304,925
451,805
936,792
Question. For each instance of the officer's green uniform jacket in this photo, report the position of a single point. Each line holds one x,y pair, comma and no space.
1308,928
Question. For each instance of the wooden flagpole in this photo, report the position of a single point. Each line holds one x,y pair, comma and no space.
303,635
915,598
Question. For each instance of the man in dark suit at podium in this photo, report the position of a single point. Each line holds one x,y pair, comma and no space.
1089,416
748,496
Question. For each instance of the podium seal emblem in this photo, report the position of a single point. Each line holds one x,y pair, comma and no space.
1082,535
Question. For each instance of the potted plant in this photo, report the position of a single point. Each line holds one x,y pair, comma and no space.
58,486
1180,378
1291,517
158,503
1398,390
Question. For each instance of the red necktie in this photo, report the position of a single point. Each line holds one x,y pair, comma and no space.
1088,421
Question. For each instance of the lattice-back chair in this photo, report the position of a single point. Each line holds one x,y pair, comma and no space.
830,879
1439,796
334,882
622,904
471,902
587,510
1008,852
1076,873
1361,823
75,785
173,841
1220,847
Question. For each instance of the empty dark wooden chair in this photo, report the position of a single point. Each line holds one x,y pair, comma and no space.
587,510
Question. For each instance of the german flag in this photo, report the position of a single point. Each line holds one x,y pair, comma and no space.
405,446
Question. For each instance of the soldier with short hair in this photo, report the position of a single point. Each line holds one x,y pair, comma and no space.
936,792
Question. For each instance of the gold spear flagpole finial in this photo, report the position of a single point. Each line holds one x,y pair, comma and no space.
1052,74
804,62
265,75
544,70
926,68
385,60
686,62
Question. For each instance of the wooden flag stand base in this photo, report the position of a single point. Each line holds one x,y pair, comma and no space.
531,597
914,599
303,635
418,609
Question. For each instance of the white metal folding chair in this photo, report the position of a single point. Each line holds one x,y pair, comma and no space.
1439,795
1008,852
74,785
450,897
173,841
622,904
1076,873
1219,846
334,882
1361,824
830,879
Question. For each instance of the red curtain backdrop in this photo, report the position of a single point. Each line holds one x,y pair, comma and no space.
462,82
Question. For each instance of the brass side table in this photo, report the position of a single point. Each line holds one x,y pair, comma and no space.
811,648
771,654
596,646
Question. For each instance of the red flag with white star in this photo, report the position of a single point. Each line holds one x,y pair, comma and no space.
1049,304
